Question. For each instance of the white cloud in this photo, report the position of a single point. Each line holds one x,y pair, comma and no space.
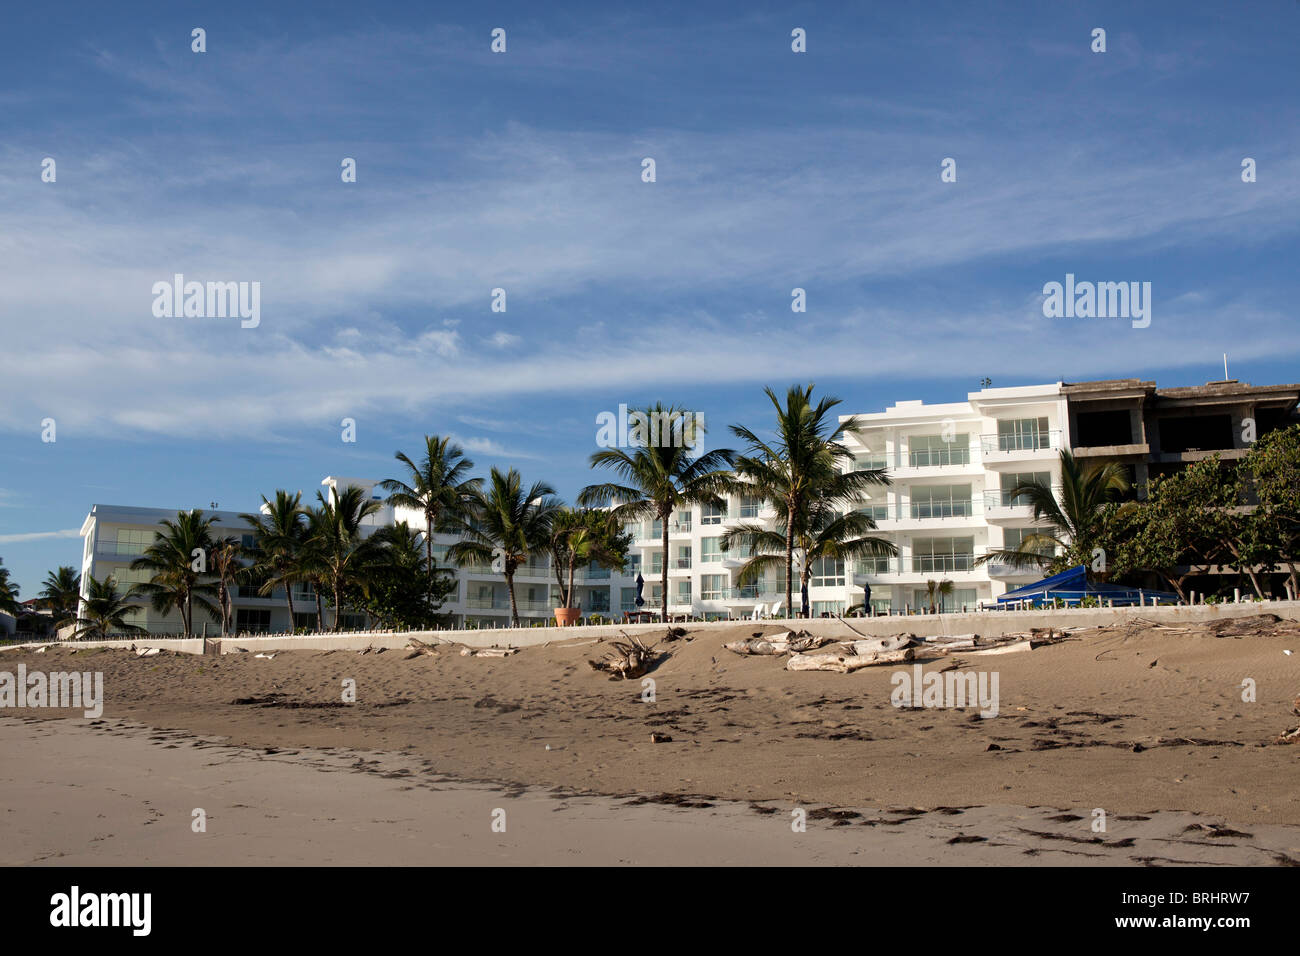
39,536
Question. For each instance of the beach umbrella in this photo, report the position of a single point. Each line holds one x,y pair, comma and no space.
640,585
866,598
803,591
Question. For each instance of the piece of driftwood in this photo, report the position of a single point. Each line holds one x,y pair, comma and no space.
148,652
786,642
846,663
877,645
488,651
1007,648
418,648
627,659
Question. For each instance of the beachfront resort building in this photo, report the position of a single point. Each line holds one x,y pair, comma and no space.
951,468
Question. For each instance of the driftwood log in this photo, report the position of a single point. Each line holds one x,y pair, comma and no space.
626,659
847,662
787,642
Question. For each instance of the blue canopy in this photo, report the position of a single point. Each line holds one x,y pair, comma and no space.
1073,585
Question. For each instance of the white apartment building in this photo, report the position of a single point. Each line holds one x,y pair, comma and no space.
950,467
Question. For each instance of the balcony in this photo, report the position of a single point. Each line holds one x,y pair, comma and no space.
943,563
926,510
679,527
1008,447
502,603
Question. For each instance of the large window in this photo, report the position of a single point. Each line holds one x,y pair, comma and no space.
827,572
713,514
711,551
961,599
254,620
1015,479
876,510
876,564
871,462
132,541
941,501
683,592
1023,434
712,587
1013,537
828,608
750,506
931,555
928,450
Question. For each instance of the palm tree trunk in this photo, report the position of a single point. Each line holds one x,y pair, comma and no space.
338,605
514,608
429,517
789,563
320,608
568,595
288,597
663,521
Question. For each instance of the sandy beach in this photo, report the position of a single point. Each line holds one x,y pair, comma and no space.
1145,723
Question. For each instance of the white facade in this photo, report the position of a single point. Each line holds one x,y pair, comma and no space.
949,464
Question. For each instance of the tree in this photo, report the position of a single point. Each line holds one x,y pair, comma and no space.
61,594
505,523
1074,525
662,473
279,546
1272,472
340,552
438,488
178,560
227,563
104,612
8,592
806,470
935,592
826,535
585,536
394,590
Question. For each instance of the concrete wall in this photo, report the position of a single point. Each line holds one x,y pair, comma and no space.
986,623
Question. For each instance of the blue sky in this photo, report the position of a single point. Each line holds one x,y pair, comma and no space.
522,171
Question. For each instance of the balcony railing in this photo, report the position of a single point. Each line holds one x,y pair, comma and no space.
1021,441
682,564
938,457
961,508
477,603
680,527
930,563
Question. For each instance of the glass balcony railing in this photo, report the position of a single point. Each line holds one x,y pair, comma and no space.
1020,441
929,563
960,508
937,457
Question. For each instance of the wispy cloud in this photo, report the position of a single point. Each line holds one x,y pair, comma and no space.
39,536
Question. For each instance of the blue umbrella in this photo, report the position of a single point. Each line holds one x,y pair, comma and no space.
640,583
866,598
804,593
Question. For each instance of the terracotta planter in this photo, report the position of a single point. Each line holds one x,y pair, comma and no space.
566,616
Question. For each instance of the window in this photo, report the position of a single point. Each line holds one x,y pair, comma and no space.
1013,537
942,554
819,608
657,529
960,599
941,501
304,619
882,605
1023,434
712,586
711,551
254,620
684,557
876,510
352,622
880,564
632,565
627,598
930,450
1013,479
871,462
657,562
683,592
713,514
132,541
827,572
248,541
750,506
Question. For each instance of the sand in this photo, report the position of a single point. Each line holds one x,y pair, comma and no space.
1146,723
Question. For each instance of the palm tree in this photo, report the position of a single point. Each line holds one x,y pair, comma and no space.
280,534
104,612
506,523
8,592
659,478
393,590
1073,524
438,487
935,592
828,536
61,594
178,560
338,549
806,470
227,563
583,536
